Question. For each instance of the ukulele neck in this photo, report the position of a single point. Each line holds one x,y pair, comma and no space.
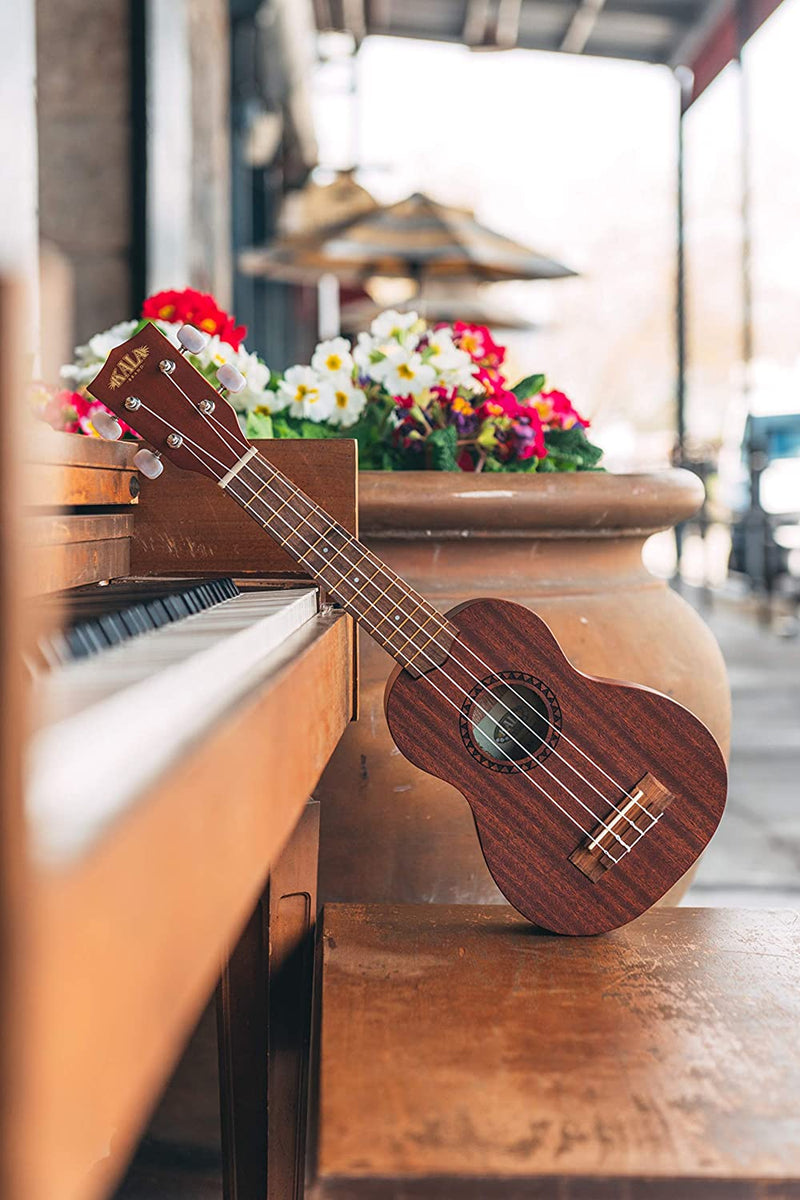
397,617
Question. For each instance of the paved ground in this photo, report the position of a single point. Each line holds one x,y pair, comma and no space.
754,859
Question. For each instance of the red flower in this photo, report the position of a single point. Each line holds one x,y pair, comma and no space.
529,435
72,412
465,461
479,344
557,411
194,308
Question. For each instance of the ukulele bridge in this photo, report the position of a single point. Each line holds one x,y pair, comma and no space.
617,834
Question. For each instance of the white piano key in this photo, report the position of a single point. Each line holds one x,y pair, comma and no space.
113,723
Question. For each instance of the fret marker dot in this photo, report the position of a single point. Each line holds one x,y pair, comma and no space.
355,579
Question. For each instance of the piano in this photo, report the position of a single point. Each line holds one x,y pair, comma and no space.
172,689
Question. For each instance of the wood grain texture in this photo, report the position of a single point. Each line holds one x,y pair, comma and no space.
130,938
184,525
463,1054
264,1022
530,822
71,550
77,485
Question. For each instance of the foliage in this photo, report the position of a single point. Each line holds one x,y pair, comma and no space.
414,396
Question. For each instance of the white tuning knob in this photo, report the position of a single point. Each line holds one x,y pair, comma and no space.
231,378
148,463
193,340
106,425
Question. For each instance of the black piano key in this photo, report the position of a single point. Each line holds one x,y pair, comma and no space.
106,617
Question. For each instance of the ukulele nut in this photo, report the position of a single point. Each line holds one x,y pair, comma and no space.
206,406
133,403
174,440
167,366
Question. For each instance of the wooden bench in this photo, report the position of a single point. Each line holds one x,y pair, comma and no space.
465,1054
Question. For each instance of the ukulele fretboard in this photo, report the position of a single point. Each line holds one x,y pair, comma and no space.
405,624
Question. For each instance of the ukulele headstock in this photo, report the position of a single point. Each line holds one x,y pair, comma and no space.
149,383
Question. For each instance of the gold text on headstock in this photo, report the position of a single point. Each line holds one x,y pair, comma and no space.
128,366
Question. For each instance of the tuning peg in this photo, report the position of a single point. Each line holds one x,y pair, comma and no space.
148,463
193,340
231,378
106,425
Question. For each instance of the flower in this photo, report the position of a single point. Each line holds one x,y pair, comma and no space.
403,373
307,395
348,402
72,412
448,360
557,411
479,344
529,435
333,357
395,326
194,308
90,358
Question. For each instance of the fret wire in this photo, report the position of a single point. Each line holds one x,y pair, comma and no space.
431,638
349,542
256,495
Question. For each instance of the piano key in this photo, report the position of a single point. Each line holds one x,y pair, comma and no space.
114,721
101,618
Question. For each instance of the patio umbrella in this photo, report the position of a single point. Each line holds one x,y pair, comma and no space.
445,307
318,205
416,238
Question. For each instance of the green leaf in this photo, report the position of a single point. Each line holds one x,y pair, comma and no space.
531,385
571,450
441,448
258,425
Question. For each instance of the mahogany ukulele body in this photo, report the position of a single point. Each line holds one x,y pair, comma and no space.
550,835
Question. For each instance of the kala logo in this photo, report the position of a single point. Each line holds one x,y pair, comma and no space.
128,366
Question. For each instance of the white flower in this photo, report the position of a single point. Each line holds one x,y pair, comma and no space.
395,326
90,358
365,347
348,401
444,355
306,394
403,373
256,392
333,357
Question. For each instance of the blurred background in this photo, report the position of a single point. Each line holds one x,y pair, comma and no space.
647,145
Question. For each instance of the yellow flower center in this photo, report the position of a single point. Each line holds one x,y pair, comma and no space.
167,311
333,362
209,325
404,371
341,399
470,343
304,392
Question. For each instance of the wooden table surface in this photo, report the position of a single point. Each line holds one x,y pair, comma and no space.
464,1053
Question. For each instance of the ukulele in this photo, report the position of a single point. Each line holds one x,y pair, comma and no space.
591,798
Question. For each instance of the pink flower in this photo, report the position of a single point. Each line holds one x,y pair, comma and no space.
529,435
478,343
557,411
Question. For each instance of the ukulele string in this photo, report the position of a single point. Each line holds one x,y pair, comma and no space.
225,434
381,569
459,690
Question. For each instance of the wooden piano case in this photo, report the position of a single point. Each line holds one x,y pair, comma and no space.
111,955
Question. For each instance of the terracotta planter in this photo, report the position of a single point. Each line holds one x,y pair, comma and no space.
569,547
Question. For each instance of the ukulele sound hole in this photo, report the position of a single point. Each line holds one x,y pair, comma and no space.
510,719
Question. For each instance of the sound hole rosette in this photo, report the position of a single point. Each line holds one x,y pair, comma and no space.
483,715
